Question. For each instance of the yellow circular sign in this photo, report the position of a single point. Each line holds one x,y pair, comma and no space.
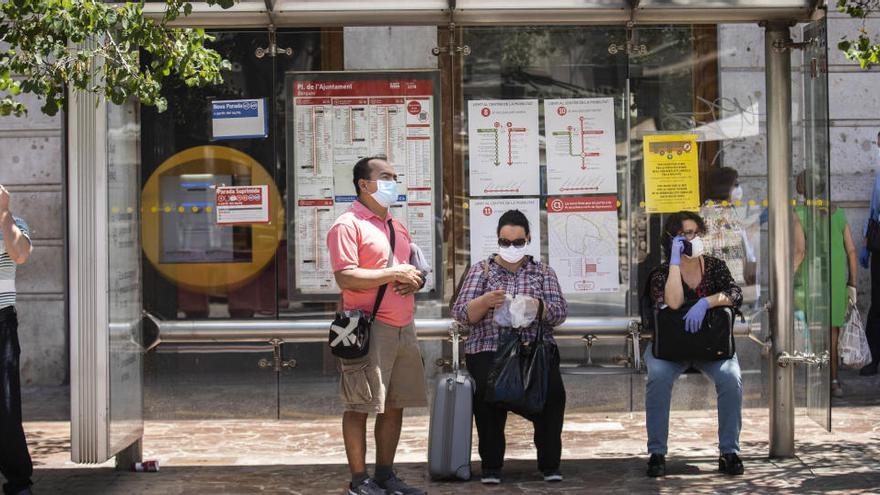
212,277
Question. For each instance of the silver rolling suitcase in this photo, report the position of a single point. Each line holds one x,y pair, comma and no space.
449,440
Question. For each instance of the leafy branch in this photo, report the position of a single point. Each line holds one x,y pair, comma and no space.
864,49
52,45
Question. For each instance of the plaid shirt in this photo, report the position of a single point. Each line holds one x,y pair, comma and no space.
532,279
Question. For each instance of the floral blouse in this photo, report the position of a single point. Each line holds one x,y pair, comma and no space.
716,278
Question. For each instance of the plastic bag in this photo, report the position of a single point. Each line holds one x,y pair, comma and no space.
523,310
502,313
853,344
516,312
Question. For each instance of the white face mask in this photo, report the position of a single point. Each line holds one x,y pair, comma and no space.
737,193
386,193
512,254
696,248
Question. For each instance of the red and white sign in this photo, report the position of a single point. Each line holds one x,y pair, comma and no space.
242,205
566,204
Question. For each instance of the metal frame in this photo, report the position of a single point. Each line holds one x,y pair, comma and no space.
299,331
779,165
298,13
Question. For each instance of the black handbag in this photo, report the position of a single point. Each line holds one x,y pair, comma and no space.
872,236
349,336
713,342
519,377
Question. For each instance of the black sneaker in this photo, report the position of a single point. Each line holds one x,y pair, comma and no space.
396,486
552,476
730,464
491,477
657,466
368,487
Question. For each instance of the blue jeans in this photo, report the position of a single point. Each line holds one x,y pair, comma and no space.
728,385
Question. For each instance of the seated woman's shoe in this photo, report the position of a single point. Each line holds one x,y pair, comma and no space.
657,466
730,464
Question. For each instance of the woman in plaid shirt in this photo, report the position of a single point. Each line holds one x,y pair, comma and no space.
511,272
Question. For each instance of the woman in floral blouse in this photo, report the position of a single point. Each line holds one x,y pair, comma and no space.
704,281
511,272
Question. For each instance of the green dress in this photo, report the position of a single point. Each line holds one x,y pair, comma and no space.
837,259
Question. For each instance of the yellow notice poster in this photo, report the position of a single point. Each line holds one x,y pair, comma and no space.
672,175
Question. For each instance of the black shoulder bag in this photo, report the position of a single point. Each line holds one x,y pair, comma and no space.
350,331
520,374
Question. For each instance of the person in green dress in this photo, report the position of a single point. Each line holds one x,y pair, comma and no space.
843,271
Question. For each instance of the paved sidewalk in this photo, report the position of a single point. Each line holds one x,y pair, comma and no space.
603,453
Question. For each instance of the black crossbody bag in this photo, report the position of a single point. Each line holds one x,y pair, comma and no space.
349,336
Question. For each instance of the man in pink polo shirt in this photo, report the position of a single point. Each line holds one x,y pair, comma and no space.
392,375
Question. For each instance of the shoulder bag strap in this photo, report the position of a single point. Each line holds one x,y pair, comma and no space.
384,287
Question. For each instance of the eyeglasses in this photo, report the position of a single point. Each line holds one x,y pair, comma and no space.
689,234
515,243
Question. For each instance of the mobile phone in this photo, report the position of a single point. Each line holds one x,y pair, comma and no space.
688,248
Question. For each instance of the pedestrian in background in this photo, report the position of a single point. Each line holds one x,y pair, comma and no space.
872,327
15,248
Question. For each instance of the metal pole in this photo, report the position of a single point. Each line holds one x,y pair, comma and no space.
778,75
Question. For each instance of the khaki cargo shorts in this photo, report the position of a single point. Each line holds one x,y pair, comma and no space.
391,375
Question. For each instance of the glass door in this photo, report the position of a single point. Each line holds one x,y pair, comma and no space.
815,291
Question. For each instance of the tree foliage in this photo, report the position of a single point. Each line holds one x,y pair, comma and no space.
51,45
864,49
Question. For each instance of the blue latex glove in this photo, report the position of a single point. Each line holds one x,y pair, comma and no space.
864,257
677,248
693,320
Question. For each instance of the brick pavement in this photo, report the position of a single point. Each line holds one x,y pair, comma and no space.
603,453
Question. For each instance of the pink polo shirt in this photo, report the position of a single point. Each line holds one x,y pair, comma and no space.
360,239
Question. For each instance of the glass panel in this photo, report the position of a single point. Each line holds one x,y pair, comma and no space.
381,108
689,94
820,283
124,275
197,266
577,145
210,381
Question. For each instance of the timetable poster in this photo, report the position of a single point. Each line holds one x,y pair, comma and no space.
332,124
503,149
581,146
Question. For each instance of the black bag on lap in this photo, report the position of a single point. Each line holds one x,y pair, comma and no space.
713,342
